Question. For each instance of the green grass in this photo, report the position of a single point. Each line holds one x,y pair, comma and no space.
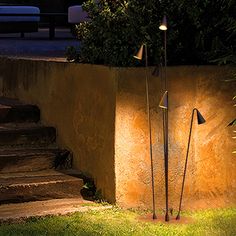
123,222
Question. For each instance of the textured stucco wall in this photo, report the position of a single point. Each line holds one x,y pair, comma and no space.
79,100
211,176
100,115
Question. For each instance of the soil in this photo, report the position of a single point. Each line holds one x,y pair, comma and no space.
161,219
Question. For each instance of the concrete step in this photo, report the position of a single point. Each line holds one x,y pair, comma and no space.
12,110
37,186
15,212
26,134
25,160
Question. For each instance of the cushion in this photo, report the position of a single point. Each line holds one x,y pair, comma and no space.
19,10
77,15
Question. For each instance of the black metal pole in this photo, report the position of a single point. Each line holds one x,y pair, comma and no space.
163,86
150,135
185,166
166,134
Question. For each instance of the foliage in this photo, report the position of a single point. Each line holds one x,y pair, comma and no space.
72,53
196,35
122,222
114,32
117,29
203,30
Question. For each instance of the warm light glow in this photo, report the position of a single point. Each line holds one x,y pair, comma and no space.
163,25
138,58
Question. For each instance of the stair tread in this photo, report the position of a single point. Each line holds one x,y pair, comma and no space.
26,134
29,156
8,127
16,211
11,102
12,110
28,151
34,178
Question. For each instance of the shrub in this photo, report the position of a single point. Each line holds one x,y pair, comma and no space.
116,30
203,30
199,31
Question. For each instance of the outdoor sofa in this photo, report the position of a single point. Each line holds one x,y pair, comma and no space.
77,15
19,24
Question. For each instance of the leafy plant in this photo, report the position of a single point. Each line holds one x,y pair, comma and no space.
199,31
89,189
72,53
117,29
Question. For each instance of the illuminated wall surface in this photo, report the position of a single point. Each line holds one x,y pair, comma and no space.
100,115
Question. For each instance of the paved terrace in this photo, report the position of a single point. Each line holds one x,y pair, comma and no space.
37,45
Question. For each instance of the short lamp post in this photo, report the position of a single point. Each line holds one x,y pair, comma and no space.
139,56
200,121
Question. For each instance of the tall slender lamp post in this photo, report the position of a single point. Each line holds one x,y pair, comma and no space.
139,56
164,102
200,121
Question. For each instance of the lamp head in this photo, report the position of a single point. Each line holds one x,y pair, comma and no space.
164,101
139,55
232,123
163,25
200,118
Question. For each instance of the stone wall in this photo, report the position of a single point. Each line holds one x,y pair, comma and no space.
100,115
79,100
211,174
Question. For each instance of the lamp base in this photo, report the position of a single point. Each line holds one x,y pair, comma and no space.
154,216
178,217
162,219
167,218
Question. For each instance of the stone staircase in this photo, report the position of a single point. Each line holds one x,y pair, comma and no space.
29,157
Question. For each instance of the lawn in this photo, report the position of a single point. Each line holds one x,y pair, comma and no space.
116,221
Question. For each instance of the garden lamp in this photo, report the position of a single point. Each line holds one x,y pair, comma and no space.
164,101
164,105
200,121
163,25
139,56
233,122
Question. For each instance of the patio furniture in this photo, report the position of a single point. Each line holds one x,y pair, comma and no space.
19,19
50,16
76,15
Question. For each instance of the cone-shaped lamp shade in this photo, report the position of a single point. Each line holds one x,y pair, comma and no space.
233,122
156,71
200,118
164,101
139,55
163,25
